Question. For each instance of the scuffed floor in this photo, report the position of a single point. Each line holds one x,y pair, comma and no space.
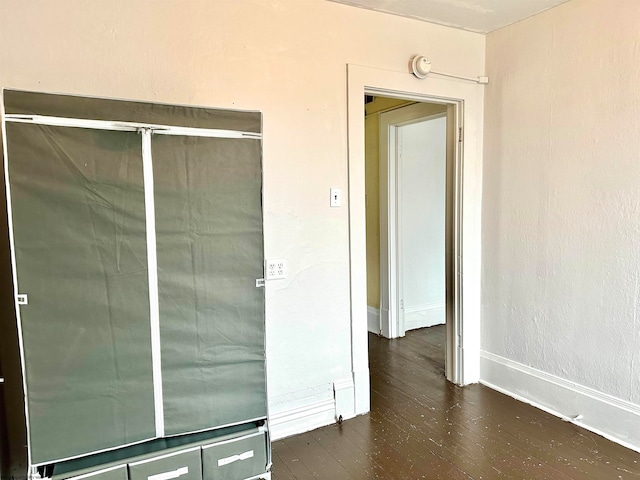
421,426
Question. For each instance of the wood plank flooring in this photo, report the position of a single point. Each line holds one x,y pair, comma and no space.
421,426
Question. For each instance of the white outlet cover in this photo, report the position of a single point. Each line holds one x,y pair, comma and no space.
275,268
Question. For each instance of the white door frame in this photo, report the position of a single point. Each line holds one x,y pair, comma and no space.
468,99
391,311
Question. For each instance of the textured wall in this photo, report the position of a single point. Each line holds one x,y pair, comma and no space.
561,195
286,58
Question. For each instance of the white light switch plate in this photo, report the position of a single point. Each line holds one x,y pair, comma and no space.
275,268
336,197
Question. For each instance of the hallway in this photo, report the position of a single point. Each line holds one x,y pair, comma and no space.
421,426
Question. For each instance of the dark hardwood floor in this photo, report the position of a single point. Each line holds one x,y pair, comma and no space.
421,426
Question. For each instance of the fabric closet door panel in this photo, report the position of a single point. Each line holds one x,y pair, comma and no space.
210,253
78,208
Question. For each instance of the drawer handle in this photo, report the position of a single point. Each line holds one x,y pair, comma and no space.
234,458
169,475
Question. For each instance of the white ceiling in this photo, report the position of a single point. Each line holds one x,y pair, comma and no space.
481,16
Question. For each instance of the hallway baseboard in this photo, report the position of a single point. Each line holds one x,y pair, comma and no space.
423,316
373,319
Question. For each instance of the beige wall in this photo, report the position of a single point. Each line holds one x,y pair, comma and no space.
286,58
561,196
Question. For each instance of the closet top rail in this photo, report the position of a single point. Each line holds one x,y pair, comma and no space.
24,103
129,126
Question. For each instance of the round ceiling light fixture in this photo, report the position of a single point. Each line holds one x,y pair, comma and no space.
420,66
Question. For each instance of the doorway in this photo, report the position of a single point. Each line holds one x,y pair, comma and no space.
416,159
463,332
409,165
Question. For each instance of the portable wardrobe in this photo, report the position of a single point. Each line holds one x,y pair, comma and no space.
137,255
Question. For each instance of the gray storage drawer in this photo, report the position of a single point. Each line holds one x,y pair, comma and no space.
235,459
181,465
113,473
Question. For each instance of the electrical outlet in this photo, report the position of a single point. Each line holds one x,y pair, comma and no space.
275,269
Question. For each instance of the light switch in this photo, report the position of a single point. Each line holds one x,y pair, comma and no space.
336,197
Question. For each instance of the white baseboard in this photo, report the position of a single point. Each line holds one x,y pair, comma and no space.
606,415
385,328
302,419
343,393
422,316
373,320
419,316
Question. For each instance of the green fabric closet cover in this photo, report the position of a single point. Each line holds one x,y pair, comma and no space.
81,256
72,106
80,247
210,253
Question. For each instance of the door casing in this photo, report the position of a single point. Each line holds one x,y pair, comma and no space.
466,100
